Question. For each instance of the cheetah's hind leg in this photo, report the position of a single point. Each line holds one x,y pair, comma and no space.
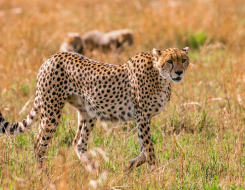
48,124
85,126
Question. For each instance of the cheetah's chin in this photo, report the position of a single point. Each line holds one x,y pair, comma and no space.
177,80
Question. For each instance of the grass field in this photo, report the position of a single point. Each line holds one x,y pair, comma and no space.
198,138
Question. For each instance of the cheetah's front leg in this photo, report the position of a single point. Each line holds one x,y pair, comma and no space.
146,146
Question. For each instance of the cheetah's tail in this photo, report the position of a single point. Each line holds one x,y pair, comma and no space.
19,127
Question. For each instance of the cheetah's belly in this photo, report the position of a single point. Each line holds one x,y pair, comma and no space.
122,110
114,112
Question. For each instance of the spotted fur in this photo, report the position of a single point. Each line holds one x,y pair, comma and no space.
134,91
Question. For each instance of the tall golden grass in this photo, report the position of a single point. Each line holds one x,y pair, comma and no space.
198,138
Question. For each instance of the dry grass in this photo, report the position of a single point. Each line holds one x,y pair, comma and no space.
198,138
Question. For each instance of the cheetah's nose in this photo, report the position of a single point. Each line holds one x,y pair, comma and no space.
178,72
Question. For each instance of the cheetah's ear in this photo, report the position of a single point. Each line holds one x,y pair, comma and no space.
186,49
156,52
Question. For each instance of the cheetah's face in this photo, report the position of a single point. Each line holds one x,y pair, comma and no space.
126,37
74,41
171,63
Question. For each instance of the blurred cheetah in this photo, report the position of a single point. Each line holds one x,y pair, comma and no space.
72,43
113,41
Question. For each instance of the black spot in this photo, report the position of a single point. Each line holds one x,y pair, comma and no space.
52,130
24,123
15,125
11,130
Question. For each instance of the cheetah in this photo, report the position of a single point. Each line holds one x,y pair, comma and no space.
91,40
113,41
72,43
134,91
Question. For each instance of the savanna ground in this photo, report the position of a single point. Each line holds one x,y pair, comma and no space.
198,138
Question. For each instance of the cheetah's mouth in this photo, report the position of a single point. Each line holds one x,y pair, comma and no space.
177,79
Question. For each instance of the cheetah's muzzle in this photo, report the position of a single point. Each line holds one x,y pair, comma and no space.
178,79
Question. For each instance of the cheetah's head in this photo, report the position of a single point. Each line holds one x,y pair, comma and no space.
171,63
74,41
126,36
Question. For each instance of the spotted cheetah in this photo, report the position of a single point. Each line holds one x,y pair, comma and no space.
135,91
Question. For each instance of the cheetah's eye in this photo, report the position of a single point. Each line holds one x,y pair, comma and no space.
170,61
183,60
